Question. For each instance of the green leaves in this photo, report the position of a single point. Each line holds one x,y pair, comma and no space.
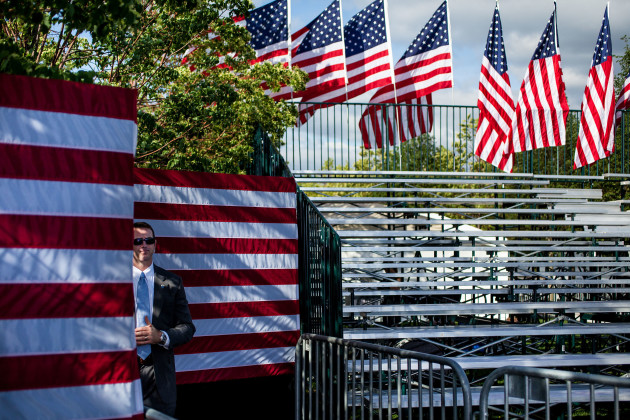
197,120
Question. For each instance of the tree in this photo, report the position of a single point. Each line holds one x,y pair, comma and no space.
198,120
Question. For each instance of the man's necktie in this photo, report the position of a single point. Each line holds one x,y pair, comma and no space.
142,303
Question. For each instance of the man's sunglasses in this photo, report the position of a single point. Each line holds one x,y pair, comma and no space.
138,241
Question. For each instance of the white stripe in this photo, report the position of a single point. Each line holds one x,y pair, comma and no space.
55,129
230,359
414,87
121,400
419,71
190,229
65,198
274,47
311,69
503,85
545,105
224,294
625,93
531,81
225,261
366,55
31,265
482,150
213,197
38,336
381,75
424,56
319,52
246,325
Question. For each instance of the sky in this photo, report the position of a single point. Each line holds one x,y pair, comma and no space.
579,22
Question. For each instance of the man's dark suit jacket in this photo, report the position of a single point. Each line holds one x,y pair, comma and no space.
170,314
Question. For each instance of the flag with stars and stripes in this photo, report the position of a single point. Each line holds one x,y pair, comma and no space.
495,102
425,67
623,103
368,56
269,29
268,26
542,108
596,137
318,50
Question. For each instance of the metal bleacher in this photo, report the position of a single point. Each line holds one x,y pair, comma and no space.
486,268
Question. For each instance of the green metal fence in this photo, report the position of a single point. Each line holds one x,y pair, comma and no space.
319,250
331,139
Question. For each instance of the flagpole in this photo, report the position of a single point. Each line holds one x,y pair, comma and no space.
555,33
391,63
343,42
289,40
448,18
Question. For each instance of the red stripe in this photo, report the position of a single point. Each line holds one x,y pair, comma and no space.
276,53
65,370
318,59
66,300
234,342
362,62
172,178
209,213
233,373
244,309
68,97
202,278
402,67
227,246
35,231
369,72
61,164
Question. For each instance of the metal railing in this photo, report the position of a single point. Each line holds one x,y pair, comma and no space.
331,139
342,379
319,249
529,392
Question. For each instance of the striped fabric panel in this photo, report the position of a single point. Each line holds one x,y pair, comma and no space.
66,328
233,240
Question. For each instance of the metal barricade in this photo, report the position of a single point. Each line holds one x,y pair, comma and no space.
528,392
342,379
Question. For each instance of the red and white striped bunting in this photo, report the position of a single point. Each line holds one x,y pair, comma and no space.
233,239
66,325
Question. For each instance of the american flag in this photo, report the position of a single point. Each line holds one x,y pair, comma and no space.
496,105
425,67
542,108
67,348
268,26
368,56
596,138
319,51
623,103
269,29
233,240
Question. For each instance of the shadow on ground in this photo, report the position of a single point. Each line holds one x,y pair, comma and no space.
270,397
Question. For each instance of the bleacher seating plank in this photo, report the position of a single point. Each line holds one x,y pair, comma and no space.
488,308
495,330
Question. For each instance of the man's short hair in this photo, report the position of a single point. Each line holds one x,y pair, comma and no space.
144,225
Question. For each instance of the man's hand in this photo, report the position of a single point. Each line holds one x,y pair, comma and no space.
148,334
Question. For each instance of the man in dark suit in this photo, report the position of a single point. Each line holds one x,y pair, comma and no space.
163,321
